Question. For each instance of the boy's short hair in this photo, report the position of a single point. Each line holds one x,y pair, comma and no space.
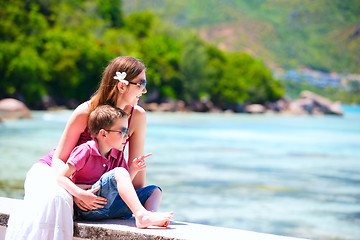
103,117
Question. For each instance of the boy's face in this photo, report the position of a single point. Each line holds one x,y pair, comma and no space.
116,139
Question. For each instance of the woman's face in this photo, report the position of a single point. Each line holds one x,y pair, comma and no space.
136,89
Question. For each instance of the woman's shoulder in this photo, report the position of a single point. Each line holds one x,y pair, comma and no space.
138,112
80,114
138,116
82,109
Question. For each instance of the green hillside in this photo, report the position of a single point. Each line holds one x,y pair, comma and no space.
55,51
322,35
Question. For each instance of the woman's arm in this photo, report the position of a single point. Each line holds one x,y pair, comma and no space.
71,134
137,142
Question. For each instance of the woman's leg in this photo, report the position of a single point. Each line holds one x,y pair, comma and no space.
46,211
153,202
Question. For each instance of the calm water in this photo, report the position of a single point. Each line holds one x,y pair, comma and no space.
289,175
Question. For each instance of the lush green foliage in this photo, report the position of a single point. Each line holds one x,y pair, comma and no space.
321,34
59,48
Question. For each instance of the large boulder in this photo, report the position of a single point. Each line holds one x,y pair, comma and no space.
280,105
311,103
255,108
12,108
321,104
301,106
202,105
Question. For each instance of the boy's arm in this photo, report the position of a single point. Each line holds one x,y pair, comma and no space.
65,181
88,200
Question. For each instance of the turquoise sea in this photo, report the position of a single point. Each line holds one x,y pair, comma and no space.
281,174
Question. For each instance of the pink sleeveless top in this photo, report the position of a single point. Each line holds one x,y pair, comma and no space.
84,137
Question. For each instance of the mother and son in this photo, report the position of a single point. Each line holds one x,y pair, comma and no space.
88,166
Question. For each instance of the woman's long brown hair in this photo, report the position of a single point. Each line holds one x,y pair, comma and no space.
107,92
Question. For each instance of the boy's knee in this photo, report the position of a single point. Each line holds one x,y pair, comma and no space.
121,172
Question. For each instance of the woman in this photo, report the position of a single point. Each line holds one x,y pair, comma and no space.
48,208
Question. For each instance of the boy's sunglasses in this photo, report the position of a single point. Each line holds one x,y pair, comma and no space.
124,132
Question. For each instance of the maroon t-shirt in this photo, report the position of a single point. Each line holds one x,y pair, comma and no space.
90,164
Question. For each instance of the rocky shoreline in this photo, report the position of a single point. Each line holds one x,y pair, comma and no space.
308,103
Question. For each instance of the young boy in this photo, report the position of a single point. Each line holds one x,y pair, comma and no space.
99,163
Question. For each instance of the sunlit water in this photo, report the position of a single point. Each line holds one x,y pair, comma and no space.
289,175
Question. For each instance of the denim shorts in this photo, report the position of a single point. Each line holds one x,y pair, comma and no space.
115,206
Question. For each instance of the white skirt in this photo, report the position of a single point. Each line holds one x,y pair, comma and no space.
46,212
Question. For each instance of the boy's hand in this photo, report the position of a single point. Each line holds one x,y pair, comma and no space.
139,163
89,201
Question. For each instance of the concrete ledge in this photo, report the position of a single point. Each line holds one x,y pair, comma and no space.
126,229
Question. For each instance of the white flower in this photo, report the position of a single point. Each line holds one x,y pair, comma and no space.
121,77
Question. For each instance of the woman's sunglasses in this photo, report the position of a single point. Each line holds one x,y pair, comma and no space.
141,85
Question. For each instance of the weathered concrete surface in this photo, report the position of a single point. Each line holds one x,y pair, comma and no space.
126,229
2,232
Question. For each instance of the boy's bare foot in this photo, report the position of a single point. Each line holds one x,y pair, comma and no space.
146,219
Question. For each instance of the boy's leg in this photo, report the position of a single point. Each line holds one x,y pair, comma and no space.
127,191
144,218
122,203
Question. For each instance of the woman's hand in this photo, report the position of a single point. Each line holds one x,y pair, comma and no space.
138,163
89,201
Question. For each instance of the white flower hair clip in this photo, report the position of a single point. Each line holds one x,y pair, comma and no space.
121,77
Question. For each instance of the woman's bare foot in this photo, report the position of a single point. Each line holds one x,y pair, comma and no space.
146,219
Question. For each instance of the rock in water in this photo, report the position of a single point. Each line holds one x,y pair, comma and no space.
322,104
255,108
13,108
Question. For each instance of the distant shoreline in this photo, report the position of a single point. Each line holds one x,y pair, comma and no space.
308,104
